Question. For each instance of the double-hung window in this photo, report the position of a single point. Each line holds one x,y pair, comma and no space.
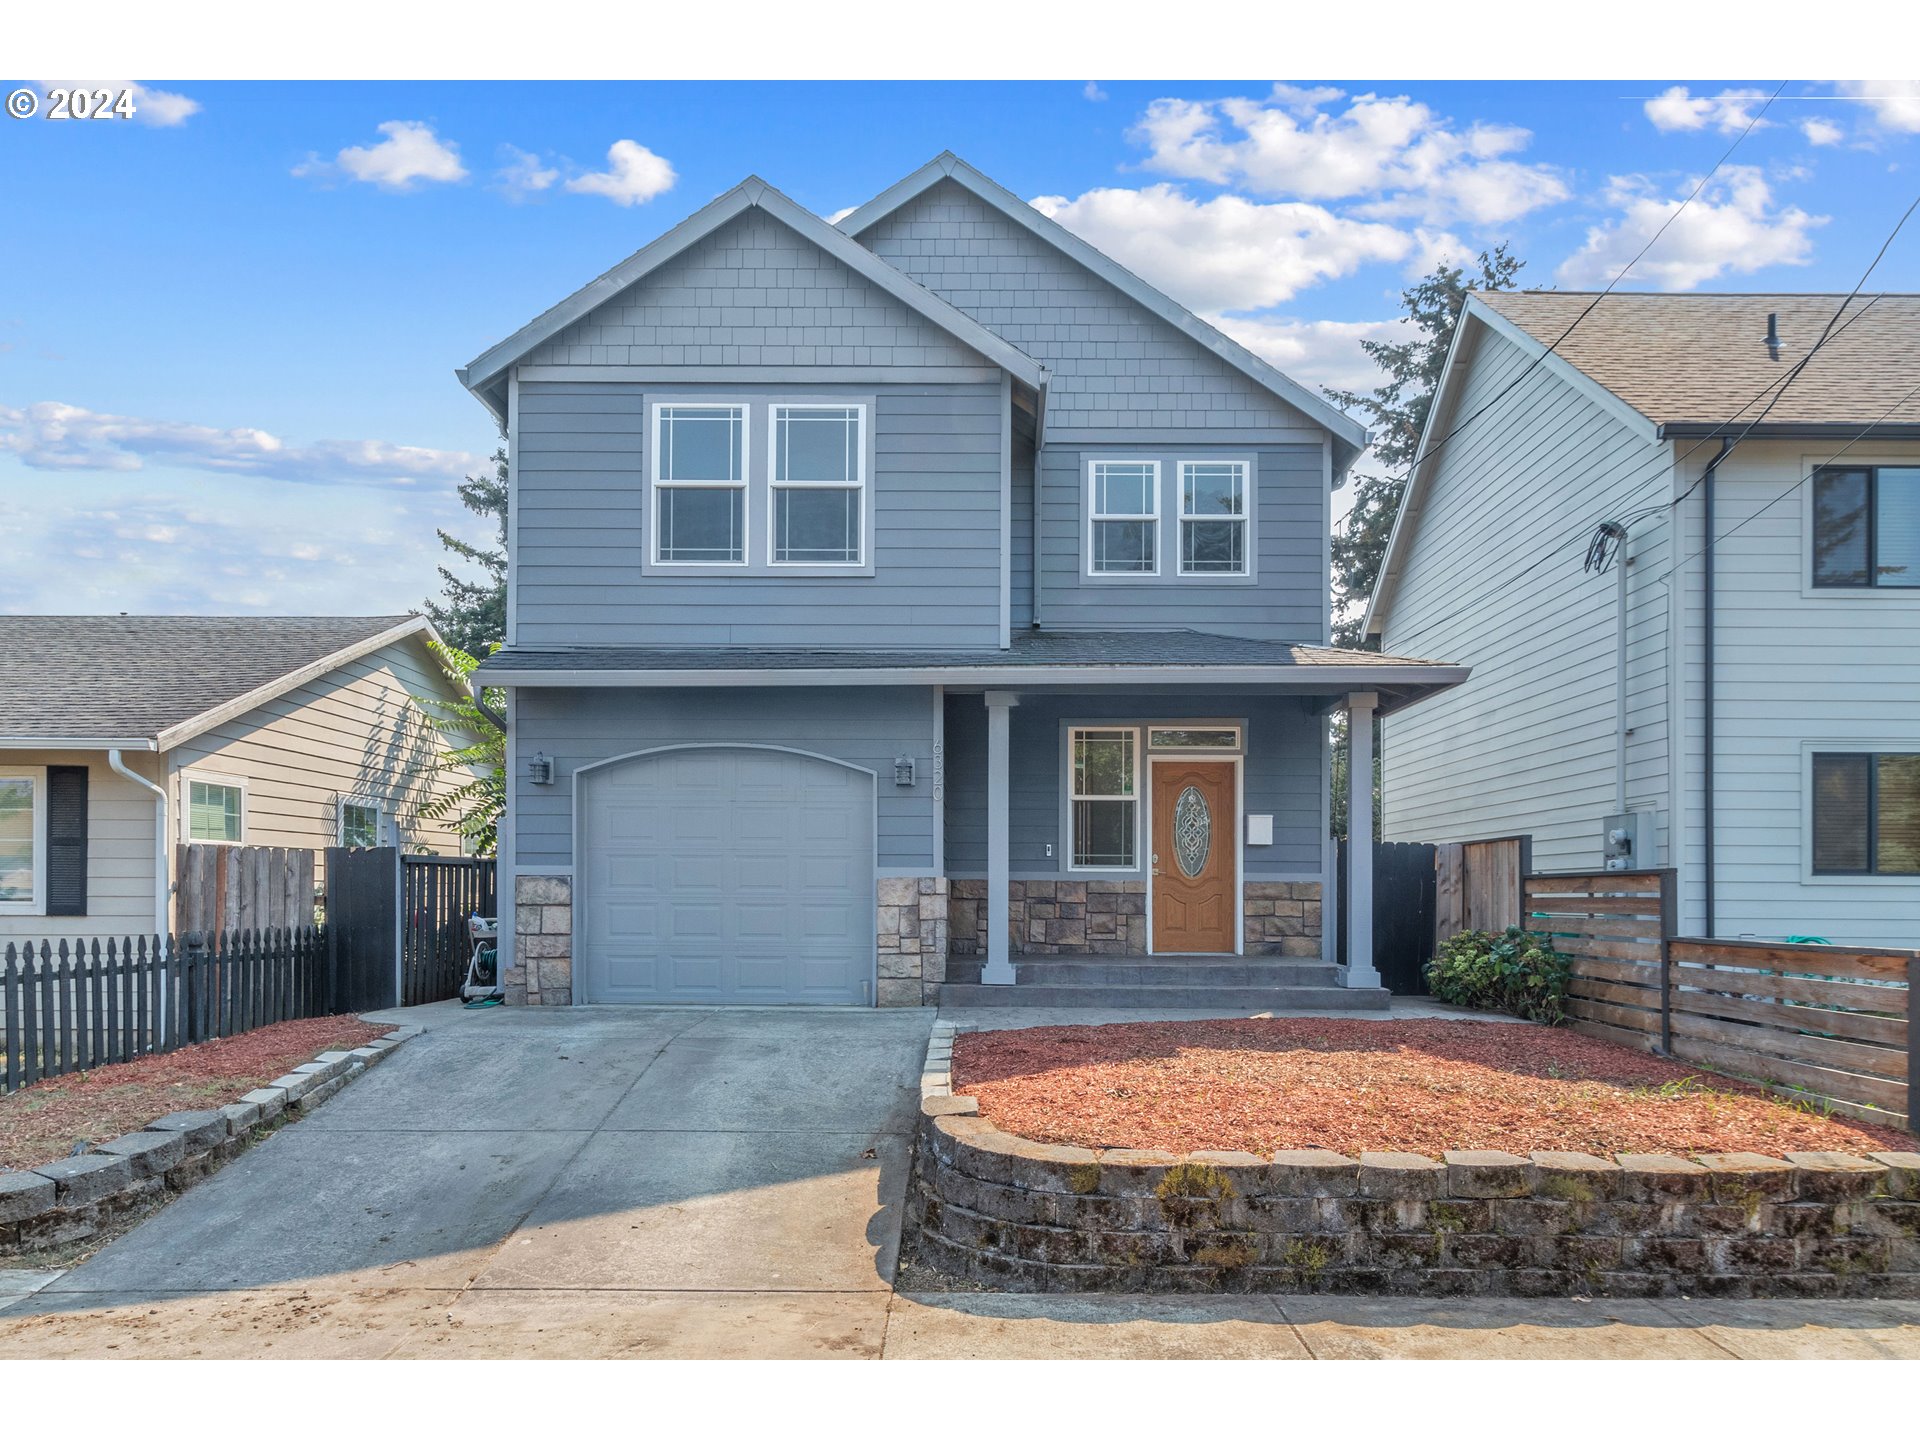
1213,517
700,484
817,487
1866,813
359,824
23,842
216,810
1866,527
1104,802
1123,517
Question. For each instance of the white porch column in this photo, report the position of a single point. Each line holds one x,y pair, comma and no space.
1359,969
998,969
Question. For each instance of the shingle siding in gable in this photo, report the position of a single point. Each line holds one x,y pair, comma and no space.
1115,365
755,293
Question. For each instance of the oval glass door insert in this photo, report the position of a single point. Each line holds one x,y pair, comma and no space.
1192,831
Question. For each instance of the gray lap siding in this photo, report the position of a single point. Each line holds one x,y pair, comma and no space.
581,455
1283,775
867,727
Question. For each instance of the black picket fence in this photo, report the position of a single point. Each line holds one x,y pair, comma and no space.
78,1005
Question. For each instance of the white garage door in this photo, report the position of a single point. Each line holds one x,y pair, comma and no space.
726,875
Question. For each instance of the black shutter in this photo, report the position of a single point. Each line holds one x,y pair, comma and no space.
66,840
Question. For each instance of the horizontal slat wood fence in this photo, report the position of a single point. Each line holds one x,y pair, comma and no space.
1829,1022
67,1007
225,888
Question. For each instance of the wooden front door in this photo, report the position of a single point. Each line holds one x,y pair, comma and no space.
1195,834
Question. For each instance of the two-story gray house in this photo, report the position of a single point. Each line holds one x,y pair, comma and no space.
907,608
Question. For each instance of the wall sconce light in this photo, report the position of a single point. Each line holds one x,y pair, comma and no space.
903,770
540,770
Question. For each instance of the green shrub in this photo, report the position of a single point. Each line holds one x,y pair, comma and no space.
1516,971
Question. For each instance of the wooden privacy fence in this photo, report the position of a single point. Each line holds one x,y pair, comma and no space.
1831,1022
1477,885
78,1006
242,887
438,894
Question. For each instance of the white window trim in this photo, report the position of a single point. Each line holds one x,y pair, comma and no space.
1094,516
1238,746
858,485
340,818
1244,520
1878,459
1905,745
208,777
744,484
36,904
1073,796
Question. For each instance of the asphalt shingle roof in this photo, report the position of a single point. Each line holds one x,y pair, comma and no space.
1701,359
127,677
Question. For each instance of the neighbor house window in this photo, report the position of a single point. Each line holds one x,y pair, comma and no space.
216,811
700,484
1104,805
359,824
1213,517
1866,527
818,484
23,842
1866,814
1123,517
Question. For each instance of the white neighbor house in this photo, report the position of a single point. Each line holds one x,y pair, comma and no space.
1746,686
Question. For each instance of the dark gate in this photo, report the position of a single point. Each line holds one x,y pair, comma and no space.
1403,907
363,927
439,893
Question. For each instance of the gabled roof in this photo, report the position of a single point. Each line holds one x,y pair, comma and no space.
152,681
1694,360
948,166
485,374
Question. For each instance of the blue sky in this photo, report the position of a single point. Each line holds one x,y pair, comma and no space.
228,327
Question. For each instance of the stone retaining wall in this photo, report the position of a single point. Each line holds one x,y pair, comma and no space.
70,1200
1012,1214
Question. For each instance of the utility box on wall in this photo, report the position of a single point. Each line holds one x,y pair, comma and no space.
1627,841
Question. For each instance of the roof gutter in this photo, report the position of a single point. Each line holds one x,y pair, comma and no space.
479,689
1790,430
1706,685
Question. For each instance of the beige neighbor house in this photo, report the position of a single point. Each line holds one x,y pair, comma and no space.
122,737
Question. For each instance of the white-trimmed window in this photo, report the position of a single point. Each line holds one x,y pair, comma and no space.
23,842
215,812
817,484
1123,517
1214,522
360,824
699,484
1104,804
1866,813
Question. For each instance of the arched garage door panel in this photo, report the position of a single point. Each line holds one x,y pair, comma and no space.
726,875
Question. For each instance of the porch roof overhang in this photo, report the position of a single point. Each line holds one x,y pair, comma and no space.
1171,659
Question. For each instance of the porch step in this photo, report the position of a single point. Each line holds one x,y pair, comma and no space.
1165,997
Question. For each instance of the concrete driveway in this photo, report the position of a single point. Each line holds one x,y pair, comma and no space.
707,1184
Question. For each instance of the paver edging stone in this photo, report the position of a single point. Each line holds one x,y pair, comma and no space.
69,1199
999,1211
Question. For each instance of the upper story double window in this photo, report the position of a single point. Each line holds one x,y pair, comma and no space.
797,500
1866,527
1208,526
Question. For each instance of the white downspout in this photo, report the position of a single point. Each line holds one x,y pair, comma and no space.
160,879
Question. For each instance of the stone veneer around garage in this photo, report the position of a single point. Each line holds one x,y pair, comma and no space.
1109,917
539,968
997,1210
912,936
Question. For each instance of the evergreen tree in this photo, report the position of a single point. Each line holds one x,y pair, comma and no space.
1396,413
471,615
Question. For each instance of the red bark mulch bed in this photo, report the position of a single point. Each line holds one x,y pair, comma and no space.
1422,1086
42,1122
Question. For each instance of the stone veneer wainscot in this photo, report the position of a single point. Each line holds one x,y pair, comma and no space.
539,969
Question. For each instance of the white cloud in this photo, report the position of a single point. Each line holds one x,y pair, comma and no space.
524,175
163,109
1093,91
410,154
1821,132
48,435
1400,155
1317,353
1894,103
1734,226
837,216
1227,253
1729,112
634,175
